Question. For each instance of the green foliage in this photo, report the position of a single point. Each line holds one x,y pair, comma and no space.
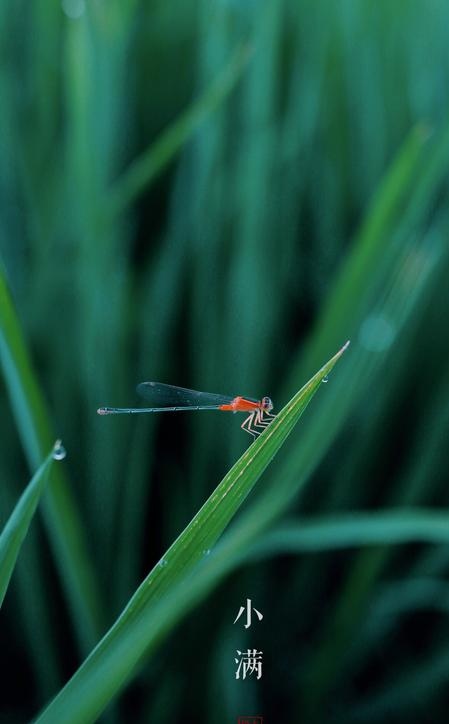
217,195
142,622
354,529
16,528
32,421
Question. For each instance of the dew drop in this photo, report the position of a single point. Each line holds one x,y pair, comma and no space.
206,552
163,562
59,451
325,379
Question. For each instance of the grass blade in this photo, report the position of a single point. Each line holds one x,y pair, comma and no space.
60,513
16,528
158,602
322,671
354,529
371,249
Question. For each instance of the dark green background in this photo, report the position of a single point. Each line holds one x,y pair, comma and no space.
217,194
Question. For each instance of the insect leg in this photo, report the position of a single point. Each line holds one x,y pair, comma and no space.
247,425
265,419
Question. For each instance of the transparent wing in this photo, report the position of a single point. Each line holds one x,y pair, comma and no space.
160,395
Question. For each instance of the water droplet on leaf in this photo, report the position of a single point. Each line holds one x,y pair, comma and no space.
59,451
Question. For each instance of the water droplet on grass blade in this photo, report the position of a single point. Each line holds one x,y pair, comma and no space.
206,552
325,379
163,562
59,451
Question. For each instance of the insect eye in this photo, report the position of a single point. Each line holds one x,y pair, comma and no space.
267,403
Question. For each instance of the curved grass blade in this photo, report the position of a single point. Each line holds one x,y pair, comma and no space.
356,297
16,528
60,513
326,662
374,247
173,586
353,530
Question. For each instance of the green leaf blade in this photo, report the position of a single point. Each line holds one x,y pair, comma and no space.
16,528
355,529
213,517
168,590
61,514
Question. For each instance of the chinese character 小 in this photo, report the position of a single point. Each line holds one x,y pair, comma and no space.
248,613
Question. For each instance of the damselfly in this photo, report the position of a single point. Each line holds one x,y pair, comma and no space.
168,398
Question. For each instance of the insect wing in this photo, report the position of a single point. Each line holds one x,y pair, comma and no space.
161,395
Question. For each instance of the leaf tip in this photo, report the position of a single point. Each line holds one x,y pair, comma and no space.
345,346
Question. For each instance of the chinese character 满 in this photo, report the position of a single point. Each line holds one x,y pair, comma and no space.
250,662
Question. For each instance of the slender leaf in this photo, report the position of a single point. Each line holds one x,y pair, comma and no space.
61,515
354,529
148,613
16,528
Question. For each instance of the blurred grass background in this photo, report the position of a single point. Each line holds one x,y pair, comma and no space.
218,194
